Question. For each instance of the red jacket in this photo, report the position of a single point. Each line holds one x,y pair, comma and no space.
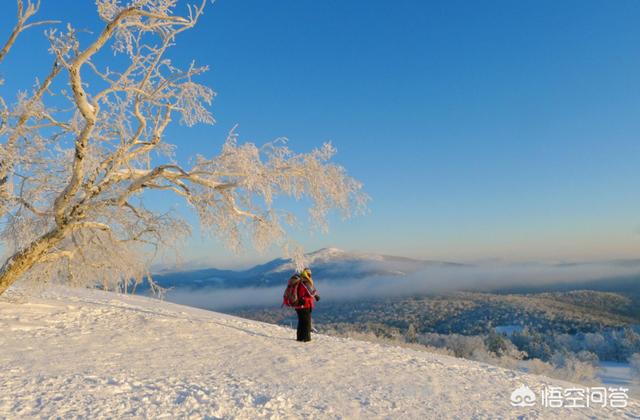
306,295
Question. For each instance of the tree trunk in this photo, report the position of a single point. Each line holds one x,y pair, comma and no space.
22,261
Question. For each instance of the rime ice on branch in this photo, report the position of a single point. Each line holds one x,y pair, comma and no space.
72,176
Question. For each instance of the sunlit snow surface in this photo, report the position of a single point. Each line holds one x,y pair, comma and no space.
93,354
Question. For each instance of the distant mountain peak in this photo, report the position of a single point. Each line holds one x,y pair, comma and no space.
325,254
328,251
328,264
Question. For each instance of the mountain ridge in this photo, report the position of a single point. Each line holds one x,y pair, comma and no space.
329,264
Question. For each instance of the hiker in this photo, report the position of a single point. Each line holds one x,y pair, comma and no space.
307,295
302,295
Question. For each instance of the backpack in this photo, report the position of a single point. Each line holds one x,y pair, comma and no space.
290,297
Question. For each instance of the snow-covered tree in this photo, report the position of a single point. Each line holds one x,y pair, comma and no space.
411,335
79,149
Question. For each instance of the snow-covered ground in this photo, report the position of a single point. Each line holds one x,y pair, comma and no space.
616,374
79,353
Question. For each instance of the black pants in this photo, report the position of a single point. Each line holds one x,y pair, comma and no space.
304,324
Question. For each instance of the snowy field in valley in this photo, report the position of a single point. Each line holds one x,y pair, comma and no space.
78,353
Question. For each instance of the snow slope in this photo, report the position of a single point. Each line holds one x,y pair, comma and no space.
93,354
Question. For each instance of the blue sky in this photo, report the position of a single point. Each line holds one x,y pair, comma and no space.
493,129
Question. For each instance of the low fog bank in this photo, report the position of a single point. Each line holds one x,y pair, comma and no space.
433,280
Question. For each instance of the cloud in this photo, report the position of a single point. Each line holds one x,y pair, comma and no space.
433,280
222,299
